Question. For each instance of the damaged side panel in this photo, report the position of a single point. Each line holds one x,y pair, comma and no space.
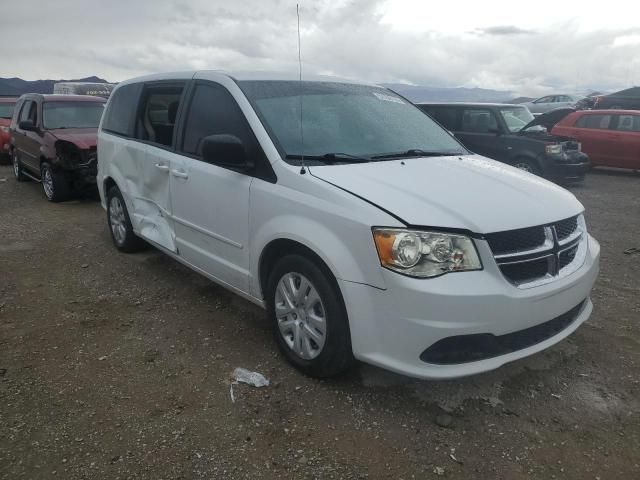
149,201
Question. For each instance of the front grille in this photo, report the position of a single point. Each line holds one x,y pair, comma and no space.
515,240
567,256
535,255
523,272
481,346
565,228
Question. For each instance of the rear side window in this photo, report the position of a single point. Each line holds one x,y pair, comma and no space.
478,121
628,123
120,113
600,122
156,118
444,116
213,111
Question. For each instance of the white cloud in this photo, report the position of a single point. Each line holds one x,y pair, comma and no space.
554,46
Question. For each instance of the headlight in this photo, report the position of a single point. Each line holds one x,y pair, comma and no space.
425,254
553,149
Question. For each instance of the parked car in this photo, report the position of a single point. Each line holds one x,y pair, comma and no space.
611,138
628,99
364,228
551,102
53,141
6,112
510,134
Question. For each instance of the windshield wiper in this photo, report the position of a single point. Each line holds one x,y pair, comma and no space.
331,158
416,152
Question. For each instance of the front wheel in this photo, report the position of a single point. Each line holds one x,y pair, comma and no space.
310,320
55,185
527,165
17,167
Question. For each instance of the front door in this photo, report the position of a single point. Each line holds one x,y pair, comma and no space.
481,133
592,131
211,203
27,142
627,128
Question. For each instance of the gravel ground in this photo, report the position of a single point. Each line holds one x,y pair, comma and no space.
118,366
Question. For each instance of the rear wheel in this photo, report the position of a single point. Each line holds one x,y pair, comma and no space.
120,223
527,165
54,183
310,320
17,167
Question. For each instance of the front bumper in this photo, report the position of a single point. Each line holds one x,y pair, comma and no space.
391,328
574,167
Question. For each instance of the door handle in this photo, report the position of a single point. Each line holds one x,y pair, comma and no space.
180,173
162,166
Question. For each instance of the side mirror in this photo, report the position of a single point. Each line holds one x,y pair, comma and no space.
226,151
495,131
27,125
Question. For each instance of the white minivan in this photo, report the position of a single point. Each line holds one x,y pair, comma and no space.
364,228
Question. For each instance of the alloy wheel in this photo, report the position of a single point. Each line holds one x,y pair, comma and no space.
16,166
301,315
117,220
524,166
47,182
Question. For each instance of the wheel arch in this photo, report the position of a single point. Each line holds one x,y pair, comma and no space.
279,248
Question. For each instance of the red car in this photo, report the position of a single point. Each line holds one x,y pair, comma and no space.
6,112
611,138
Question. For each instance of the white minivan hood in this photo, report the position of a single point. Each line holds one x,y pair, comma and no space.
463,192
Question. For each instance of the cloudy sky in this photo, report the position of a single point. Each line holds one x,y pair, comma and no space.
529,48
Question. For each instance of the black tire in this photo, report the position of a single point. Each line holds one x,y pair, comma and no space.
527,165
55,184
17,167
128,242
336,355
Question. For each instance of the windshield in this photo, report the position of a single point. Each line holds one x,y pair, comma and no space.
71,114
518,117
345,119
6,110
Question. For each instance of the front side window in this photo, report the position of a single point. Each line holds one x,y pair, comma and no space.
517,117
29,112
56,115
6,110
357,120
157,115
600,122
24,112
628,123
213,111
479,120
544,100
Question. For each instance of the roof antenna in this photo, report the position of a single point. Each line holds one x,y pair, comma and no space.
302,168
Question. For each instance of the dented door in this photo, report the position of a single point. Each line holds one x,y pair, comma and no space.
152,208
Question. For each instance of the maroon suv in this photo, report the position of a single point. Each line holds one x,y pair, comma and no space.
53,141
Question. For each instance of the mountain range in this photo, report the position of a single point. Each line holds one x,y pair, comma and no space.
16,86
418,93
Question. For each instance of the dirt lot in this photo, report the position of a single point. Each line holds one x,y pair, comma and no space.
118,366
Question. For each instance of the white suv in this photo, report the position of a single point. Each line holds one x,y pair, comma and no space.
364,228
